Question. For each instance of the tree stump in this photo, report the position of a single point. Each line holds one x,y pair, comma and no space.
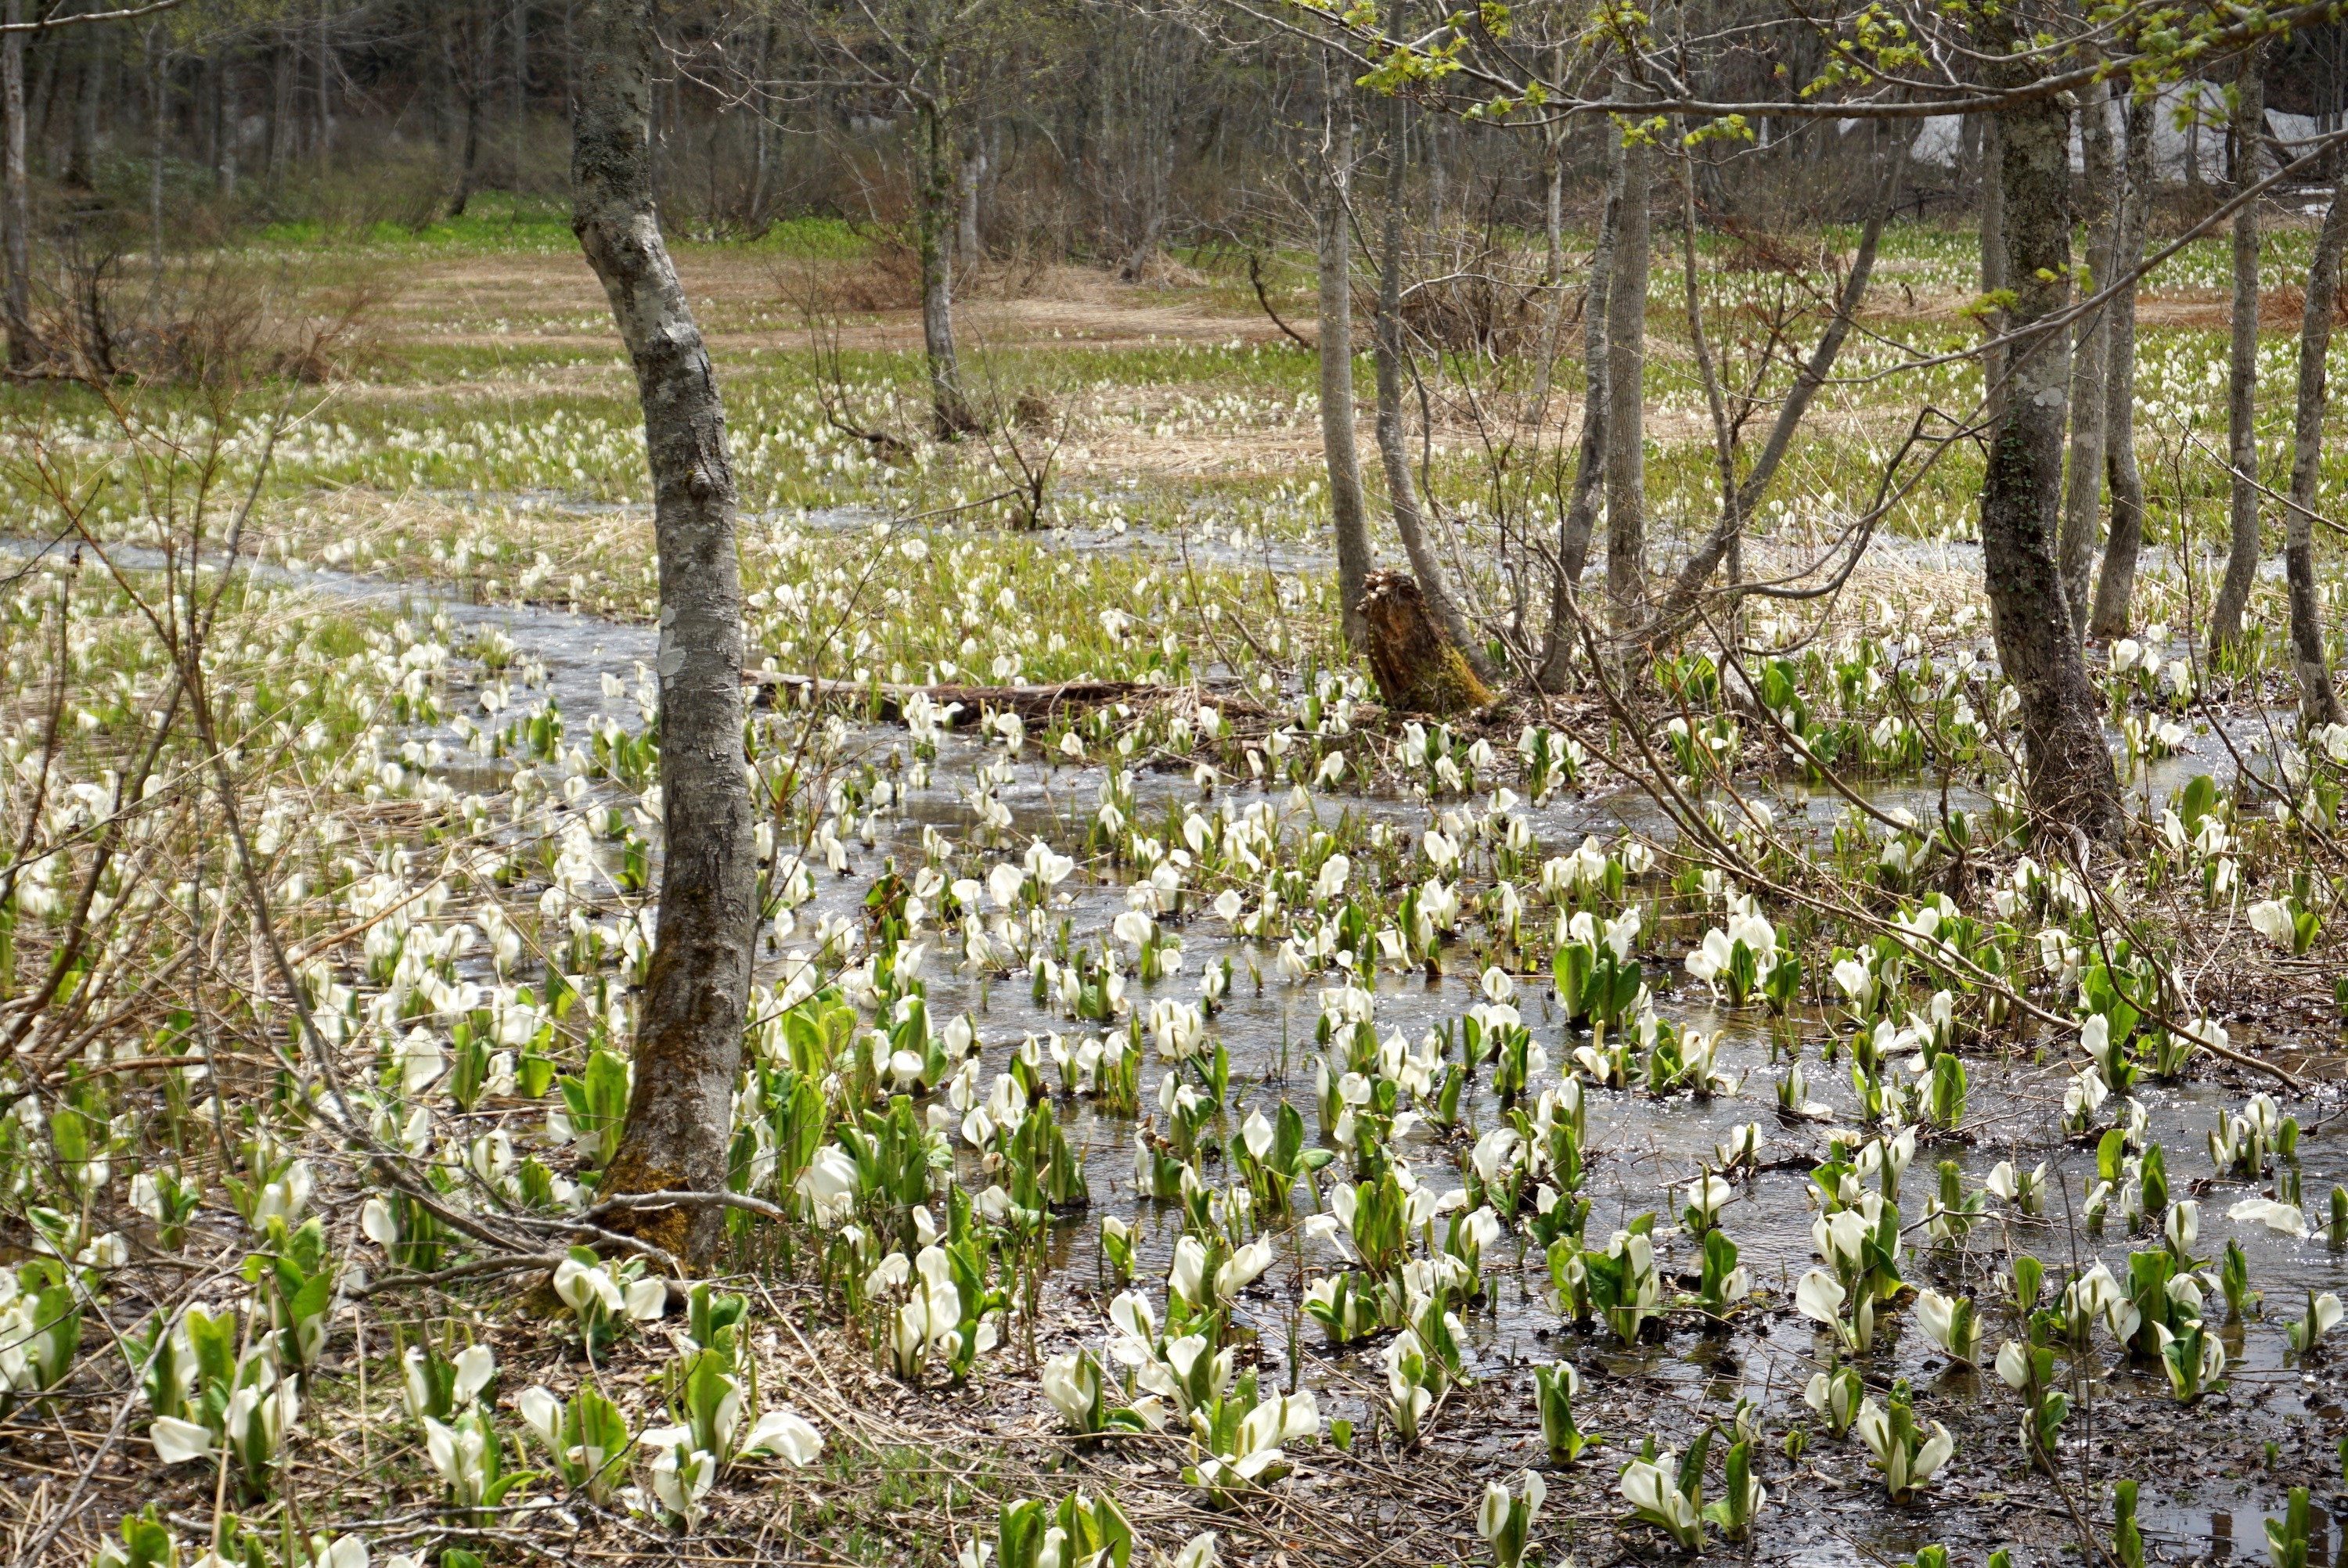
1416,667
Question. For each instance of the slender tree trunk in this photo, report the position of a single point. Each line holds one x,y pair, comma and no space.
475,90
1553,267
2242,370
1394,454
2319,703
521,108
1335,259
1992,246
689,1037
89,85
159,107
2115,584
324,107
967,249
950,412
1581,517
761,129
1626,457
2068,770
279,139
2083,502
16,202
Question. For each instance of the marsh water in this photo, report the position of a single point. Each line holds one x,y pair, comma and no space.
2205,1488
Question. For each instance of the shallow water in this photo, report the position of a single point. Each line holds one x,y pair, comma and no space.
1639,1147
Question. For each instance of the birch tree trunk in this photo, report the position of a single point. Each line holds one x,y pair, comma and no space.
2068,771
2115,584
689,1037
1343,457
2319,703
2083,501
1626,461
2242,369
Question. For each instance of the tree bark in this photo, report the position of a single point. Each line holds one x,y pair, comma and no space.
950,412
2319,703
1402,492
2115,584
1581,517
1338,450
1992,247
16,202
689,1036
1626,460
2068,771
2242,370
474,86
967,247
2083,501
1417,667
159,107
89,84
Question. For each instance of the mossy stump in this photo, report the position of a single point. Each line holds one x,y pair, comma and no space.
1417,669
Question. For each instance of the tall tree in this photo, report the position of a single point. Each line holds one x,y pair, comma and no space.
1626,337
2319,703
2083,501
1392,356
1573,530
2242,366
2068,770
16,200
689,1037
1334,261
2116,582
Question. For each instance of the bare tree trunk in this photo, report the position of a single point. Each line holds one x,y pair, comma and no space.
159,107
16,202
278,141
1992,245
1626,459
521,109
761,129
475,86
89,85
2242,369
1553,267
1402,492
1346,511
2115,584
324,147
1573,530
2068,771
689,1039
973,173
2319,703
2083,502
948,410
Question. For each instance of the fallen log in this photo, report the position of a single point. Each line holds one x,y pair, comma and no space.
956,705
